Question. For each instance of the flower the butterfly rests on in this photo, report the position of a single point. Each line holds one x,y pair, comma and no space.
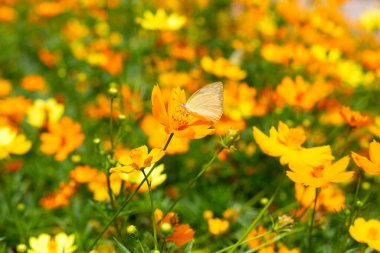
190,119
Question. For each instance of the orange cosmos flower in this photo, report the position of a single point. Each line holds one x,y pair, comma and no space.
137,159
175,118
7,14
33,83
47,57
60,197
330,198
286,143
253,244
354,118
5,87
182,233
62,138
371,165
113,62
13,109
157,136
366,232
302,94
83,174
322,175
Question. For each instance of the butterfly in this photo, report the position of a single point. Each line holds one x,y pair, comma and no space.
207,102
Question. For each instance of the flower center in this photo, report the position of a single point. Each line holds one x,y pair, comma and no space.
317,172
373,234
180,117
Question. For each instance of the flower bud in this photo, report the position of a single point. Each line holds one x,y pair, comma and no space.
112,91
264,201
76,158
284,223
131,229
208,214
230,139
96,141
166,228
155,251
121,117
20,207
21,248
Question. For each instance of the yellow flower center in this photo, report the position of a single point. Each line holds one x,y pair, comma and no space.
317,172
373,234
52,246
180,117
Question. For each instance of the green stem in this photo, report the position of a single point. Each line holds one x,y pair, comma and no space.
317,191
152,208
255,221
195,179
111,154
125,203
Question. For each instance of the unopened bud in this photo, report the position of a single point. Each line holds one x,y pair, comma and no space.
21,248
76,158
229,140
366,186
20,207
155,251
112,91
208,214
359,203
284,223
131,229
166,228
96,141
264,201
121,117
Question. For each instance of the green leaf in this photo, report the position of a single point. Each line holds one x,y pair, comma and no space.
121,246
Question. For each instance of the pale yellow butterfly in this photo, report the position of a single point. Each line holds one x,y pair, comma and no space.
207,102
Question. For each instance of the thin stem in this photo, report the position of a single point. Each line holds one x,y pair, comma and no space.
111,154
255,221
152,208
192,182
111,125
125,203
317,191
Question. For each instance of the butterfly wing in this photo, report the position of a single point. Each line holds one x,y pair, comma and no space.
207,102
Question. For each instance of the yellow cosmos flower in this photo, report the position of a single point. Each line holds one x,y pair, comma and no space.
371,165
366,232
217,226
286,143
138,158
321,176
156,178
370,19
161,21
43,112
12,143
44,243
221,67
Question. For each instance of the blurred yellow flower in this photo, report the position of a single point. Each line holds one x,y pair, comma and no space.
371,165
12,143
161,20
221,67
217,226
366,232
322,175
370,19
155,178
330,198
286,143
302,94
45,243
136,159
43,112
